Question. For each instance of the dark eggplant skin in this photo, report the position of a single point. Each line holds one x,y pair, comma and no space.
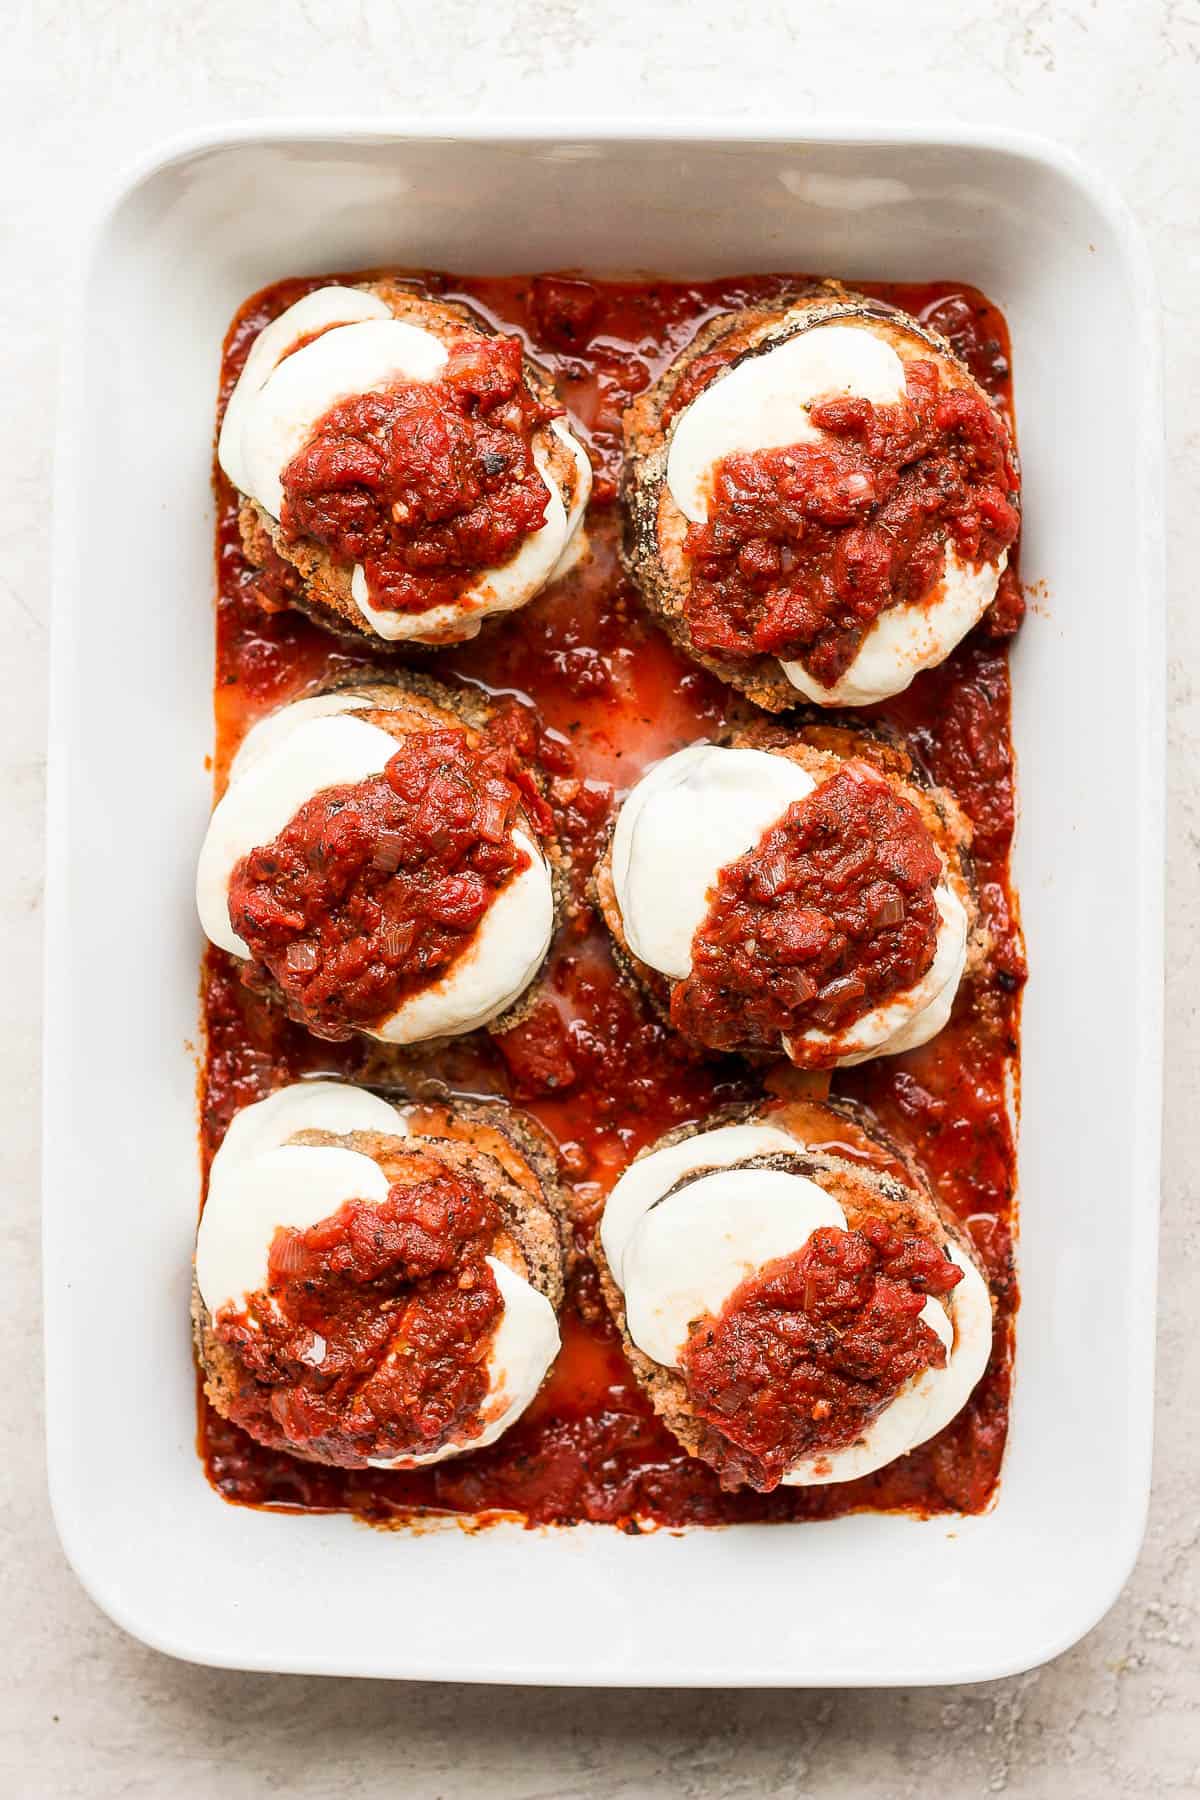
654,525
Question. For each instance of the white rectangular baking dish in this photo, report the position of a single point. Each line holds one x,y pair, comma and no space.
861,1600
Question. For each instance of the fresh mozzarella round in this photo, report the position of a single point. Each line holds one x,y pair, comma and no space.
281,398
312,745
903,640
230,1249
680,826
918,1014
645,1181
297,1185
260,1182
494,970
351,360
316,312
333,1106
763,403
544,555
691,1250
489,591
269,731
321,753
525,1344
679,1252
928,1401
700,810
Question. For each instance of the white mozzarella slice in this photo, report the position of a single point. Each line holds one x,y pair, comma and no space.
575,540
693,814
903,640
328,752
496,967
690,1251
334,1106
316,312
269,731
919,1013
763,403
355,359
925,1404
645,1181
526,1343
296,1185
490,590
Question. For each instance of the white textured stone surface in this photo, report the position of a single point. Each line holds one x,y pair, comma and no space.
84,86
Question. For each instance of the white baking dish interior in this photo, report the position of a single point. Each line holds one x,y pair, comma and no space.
868,1599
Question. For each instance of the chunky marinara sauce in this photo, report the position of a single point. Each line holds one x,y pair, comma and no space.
370,1338
830,915
375,889
805,546
608,695
425,483
808,1351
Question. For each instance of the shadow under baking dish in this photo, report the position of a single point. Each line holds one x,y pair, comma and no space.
838,1602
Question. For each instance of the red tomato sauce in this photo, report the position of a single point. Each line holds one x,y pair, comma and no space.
370,1338
595,1065
806,1353
805,546
427,483
830,915
375,889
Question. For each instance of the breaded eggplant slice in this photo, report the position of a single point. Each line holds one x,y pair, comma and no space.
655,527
391,695
888,1187
819,746
506,1152
302,574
